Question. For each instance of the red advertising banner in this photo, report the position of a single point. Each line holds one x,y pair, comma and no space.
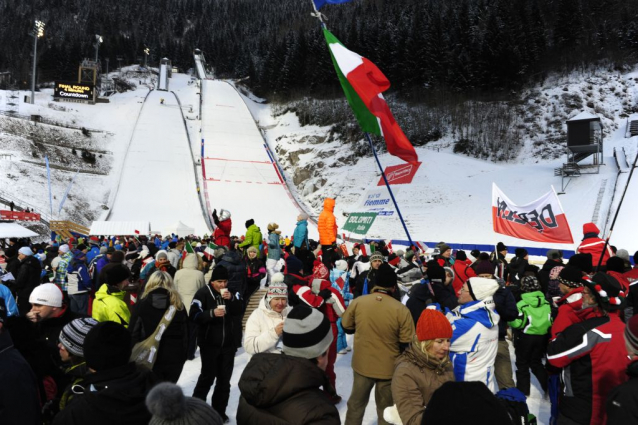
18,215
542,220
400,174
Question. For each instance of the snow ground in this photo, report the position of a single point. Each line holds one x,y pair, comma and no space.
188,379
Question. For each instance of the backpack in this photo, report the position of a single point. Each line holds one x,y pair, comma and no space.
515,403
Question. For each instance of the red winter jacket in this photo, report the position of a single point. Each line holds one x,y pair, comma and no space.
620,277
333,307
221,236
594,245
568,306
462,272
594,356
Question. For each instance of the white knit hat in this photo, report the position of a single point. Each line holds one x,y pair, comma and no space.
341,265
25,250
46,294
481,287
64,249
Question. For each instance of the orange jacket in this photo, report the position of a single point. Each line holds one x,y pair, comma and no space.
327,223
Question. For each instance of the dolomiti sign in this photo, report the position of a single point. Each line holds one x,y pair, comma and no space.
359,223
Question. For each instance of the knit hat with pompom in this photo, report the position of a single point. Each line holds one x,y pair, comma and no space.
168,405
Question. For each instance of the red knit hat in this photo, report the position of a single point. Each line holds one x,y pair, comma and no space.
433,324
590,228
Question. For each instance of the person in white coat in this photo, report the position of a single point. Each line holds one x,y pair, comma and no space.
474,341
265,325
187,281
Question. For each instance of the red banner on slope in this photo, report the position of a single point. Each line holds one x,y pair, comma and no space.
400,174
542,220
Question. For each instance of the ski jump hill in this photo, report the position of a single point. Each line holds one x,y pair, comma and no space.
157,178
238,169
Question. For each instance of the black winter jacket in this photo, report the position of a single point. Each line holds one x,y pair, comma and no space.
277,389
214,331
419,297
144,320
505,304
19,397
111,396
27,278
444,295
236,267
543,274
622,402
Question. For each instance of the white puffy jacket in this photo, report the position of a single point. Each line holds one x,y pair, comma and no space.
260,335
189,279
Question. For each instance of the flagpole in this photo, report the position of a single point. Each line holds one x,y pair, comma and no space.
396,206
613,223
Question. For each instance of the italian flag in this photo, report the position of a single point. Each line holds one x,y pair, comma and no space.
188,249
363,84
209,252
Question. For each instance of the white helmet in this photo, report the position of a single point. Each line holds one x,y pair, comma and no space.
224,215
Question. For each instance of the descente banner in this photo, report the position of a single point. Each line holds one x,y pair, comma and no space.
73,91
542,220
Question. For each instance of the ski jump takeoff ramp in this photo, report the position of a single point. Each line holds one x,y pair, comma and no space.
157,183
239,174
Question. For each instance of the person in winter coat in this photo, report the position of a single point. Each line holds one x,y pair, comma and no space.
462,271
321,295
366,280
554,259
214,309
237,284
517,265
592,352
327,226
265,325
109,302
443,289
571,286
19,389
475,338
115,390
593,244
499,261
444,258
66,256
253,236
27,278
383,328
162,263
6,299
340,281
274,250
553,286
423,367
168,405
161,299
533,323
615,267
174,254
506,308
188,280
293,277
420,295
300,236
255,272
285,388
79,283
224,225
71,347
622,403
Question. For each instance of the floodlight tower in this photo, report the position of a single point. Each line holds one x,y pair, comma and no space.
98,41
147,51
36,32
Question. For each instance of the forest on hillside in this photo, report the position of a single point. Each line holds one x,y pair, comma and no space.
472,47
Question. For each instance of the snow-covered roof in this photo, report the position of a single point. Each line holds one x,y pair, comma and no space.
584,116
12,230
120,228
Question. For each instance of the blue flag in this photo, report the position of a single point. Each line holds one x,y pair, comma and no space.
319,3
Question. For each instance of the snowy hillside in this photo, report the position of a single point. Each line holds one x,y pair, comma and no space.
450,197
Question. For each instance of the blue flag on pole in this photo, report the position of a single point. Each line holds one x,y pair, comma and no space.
319,3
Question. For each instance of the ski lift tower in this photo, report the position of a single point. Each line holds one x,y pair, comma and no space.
584,139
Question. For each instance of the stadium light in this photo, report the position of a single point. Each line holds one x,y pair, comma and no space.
147,52
98,41
36,32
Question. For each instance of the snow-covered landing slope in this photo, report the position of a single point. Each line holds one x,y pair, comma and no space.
238,171
157,182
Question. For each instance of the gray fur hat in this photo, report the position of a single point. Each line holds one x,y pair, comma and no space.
168,405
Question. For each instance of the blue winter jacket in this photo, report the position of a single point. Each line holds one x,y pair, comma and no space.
94,252
300,236
9,301
78,279
274,249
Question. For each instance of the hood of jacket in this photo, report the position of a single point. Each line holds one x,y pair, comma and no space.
270,312
482,311
108,290
329,204
191,261
302,223
270,379
534,299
